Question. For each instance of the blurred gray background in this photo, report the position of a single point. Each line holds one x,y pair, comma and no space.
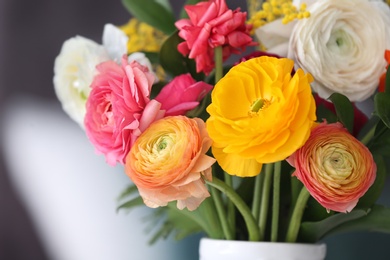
49,207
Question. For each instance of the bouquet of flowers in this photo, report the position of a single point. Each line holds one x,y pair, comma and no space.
241,125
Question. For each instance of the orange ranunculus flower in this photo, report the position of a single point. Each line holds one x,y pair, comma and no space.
168,162
335,167
259,114
382,80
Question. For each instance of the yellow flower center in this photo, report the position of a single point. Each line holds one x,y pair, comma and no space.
162,143
338,164
259,105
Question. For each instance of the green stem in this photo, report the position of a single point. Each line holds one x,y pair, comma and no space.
208,212
276,202
231,213
370,134
221,213
295,222
253,229
265,199
259,180
218,58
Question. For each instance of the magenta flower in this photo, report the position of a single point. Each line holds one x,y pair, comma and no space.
212,24
182,94
119,108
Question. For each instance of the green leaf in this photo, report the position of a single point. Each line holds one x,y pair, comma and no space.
380,142
173,62
377,220
175,222
372,122
382,107
315,211
204,216
153,57
313,231
129,191
344,110
156,14
387,80
166,4
183,226
324,113
182,223
162,233
130,204
171,59
373,193
156,88
200,110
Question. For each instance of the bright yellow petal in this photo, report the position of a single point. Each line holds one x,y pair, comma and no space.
236,165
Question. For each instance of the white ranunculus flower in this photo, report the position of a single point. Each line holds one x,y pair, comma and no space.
342,45
275,36
74,69
115,42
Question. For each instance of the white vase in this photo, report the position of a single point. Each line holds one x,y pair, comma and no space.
214,249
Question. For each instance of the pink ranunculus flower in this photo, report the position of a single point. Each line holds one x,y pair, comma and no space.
212,24
168,162
334,166
119,108
182,94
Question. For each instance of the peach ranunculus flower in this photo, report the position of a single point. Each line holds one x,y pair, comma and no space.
119,108
182,94
212,24
334,166
259,113
168,162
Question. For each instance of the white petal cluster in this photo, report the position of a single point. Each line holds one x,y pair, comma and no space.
342,45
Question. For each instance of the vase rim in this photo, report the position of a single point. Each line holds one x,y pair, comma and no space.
216,249
269,242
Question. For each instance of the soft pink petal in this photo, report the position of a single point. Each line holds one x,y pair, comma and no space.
151,112
116,103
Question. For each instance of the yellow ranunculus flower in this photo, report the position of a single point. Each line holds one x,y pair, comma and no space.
259,113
